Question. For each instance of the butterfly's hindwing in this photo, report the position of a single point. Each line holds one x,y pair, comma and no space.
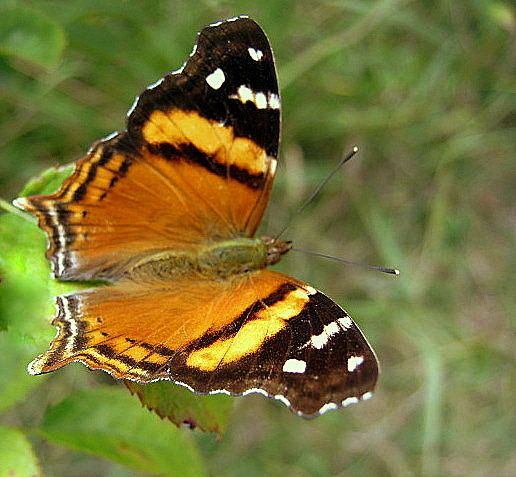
267,333
318,361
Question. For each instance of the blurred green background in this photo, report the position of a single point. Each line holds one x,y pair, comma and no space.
426,89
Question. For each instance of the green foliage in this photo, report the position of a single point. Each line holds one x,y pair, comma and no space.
16,455
31,36
117,429
207,413
25,304
426,90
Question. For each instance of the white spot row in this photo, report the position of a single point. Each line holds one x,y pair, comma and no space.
278,397
346,402
329,330
260,99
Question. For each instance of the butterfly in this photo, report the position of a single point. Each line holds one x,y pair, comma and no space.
166,213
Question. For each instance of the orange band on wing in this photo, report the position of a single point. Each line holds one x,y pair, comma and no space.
177,127
265,324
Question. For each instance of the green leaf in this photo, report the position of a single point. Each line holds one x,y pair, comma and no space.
16,456
179,405
31,36
106,422
26,295
25,274
25,305
15,382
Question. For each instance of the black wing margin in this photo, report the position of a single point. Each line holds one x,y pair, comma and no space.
230,78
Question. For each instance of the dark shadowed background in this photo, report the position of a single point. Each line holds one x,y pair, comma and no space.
425,90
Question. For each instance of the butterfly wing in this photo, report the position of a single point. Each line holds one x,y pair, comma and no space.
263,332
196,163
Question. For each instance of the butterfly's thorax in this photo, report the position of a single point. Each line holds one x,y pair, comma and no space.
218,260
239,255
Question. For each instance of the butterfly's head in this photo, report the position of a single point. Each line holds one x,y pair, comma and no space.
276,248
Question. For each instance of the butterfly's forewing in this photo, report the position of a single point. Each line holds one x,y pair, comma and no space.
195,164
263,332
221,113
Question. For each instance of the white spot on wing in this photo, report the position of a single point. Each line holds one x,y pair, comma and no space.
345,322
194,50
367,395
187,386
282,399
310,290
274,101
60,264
272,171
20,203
255,391
245,94
179,70
232,19
256,55
110,136
156,83
350,400
319,341
260,100
216,79
60,234
133,106
294,366
220,391
60,240
354,362
327,407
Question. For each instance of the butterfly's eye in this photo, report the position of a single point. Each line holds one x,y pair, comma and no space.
276,249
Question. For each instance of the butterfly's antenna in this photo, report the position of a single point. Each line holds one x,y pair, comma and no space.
318,189
392,271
